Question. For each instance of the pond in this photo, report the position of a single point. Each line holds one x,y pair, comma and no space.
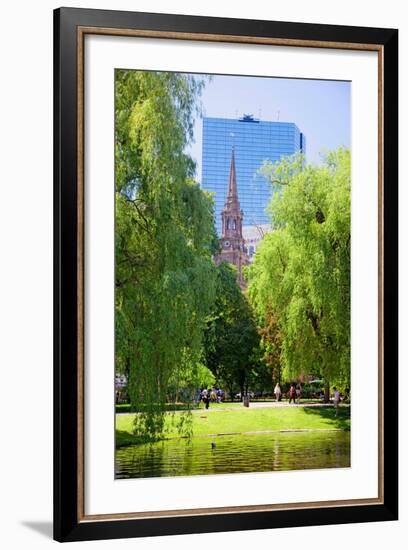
235,453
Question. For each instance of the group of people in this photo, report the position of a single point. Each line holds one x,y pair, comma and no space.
294,393
214,395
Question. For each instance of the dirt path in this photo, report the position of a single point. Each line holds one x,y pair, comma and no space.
272,405
262,405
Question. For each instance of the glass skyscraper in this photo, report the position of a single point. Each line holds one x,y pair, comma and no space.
254,141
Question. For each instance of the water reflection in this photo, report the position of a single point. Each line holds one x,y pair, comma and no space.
233,454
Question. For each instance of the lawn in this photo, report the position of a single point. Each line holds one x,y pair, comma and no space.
218,420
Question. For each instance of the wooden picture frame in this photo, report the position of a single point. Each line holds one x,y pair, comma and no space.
70,520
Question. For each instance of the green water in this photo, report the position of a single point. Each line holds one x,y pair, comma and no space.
233,454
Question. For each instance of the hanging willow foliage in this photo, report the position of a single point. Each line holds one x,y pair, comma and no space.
301,271
165,279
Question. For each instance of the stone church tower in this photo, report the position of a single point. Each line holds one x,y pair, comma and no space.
233,248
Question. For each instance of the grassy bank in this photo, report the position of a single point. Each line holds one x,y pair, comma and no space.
222,421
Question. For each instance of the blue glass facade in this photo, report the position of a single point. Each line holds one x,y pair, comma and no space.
254,141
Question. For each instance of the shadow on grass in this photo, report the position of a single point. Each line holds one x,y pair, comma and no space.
126,408
124,438
342,421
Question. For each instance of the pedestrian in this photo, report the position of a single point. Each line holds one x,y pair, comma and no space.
336,399
292,393
207,398
278,392
298,393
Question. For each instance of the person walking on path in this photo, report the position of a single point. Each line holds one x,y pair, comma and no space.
298,393
336,399
278,392
292,394
206,398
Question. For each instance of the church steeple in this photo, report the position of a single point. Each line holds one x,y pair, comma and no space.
232,184
232,214
233,249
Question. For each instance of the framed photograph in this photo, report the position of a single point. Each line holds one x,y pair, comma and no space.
225,274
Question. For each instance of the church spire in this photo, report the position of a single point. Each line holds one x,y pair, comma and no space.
233,249
231,214
232,184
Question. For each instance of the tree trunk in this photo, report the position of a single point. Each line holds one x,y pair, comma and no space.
327,392
127,368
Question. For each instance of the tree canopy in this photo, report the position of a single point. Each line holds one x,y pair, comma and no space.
165,278
231,339
301,273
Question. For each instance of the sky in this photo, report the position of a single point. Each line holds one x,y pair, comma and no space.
320,108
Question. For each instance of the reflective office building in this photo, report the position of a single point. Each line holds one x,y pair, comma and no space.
254,141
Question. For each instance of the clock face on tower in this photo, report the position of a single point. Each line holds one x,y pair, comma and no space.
227,244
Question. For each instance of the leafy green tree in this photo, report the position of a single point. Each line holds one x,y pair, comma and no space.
271,346
231,340
185,389
165,277
301,272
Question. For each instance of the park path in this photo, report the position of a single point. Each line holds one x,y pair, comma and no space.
272,405
261,405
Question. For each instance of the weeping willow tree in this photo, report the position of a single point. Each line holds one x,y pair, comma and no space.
301,272
165,281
